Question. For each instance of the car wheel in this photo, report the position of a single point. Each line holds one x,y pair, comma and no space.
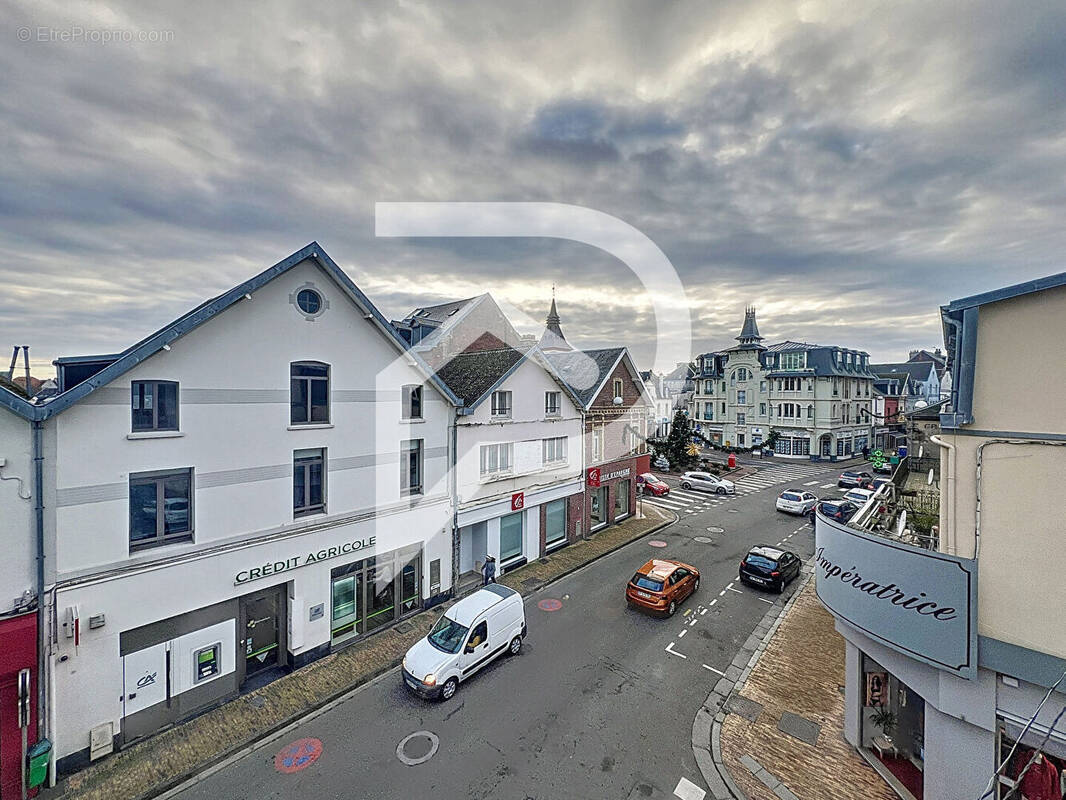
721,490
686,485
672,609
696,586
516,646
780,586
840,484
447,691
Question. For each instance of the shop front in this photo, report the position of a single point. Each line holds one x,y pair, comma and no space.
611,491
893,726
18,698
513,530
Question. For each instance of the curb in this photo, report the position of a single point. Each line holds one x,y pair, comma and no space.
320,703
707,726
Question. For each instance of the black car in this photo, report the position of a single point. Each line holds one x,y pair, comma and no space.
853,478
840,510
769,567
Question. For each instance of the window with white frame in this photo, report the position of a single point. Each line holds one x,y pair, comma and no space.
742,396
597,444
793,360
762,386
762,409
742,419
411,466
497,458
617,387
552,403
412,402
501,404
708,387
554,450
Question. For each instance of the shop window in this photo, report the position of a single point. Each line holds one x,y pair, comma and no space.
308,482
1025,767
511,530
309,393
160,508
411,466
410,586
621,500
381,596
155,406
555,522
412,402
598,507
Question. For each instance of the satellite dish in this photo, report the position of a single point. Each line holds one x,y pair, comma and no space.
618,401
929,479
921,404
901,523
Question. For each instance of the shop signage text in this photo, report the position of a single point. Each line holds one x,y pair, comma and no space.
618,473
919,602
275,567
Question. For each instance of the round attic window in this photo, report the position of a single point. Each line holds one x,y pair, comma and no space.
309,301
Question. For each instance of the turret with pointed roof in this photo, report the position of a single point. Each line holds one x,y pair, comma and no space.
749,335
552,338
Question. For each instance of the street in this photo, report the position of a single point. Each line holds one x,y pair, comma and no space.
599,703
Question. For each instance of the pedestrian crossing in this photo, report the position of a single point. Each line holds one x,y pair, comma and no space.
687,501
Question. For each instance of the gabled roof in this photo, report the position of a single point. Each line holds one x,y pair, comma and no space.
1007,292
439,313
788,346
915,370
586,372
152,344
473,373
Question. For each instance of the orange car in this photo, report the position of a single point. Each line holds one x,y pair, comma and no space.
662,584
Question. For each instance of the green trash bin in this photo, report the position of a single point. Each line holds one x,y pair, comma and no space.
38,756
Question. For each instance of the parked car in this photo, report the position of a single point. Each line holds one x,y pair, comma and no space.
840,510
879,482
652,485
769,567
885,468
661,585
796,501
466,638
706,482
858,496
851,477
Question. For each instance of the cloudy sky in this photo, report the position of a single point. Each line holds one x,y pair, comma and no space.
844,166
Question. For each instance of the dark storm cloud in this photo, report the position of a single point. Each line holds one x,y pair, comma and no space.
847,167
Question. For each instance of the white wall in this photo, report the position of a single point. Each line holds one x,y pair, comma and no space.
527,427
17,534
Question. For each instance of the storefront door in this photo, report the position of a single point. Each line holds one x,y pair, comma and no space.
598,511
346,602
380,596
261,622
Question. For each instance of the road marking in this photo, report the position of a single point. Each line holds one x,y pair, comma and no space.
687,790
771,602
732,511
721,593
671,651
694,621
683,632
827,485
810,483
688,495
704,611
658,501
715,600
735,590
712,669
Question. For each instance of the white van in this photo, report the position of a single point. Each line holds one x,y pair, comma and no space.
469,635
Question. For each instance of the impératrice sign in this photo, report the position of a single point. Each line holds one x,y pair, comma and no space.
919,602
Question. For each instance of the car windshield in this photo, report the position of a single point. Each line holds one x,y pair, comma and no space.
762,562
447,635
646,582
649,478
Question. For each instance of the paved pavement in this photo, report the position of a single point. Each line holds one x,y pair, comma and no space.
800,673
600,703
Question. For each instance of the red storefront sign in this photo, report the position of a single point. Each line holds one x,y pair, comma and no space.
593,477
518,501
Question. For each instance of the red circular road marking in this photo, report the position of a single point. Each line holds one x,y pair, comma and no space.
657,543
298,755
550,604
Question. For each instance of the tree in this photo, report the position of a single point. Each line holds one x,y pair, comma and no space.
677,444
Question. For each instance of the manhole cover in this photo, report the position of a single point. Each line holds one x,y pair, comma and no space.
701,539
713,529
404,627
657,543
417,748
257,701
298,755
529,583
550,604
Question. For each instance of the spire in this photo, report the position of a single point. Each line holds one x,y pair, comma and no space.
749,336
553,338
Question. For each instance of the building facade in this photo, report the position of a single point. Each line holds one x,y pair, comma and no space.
817,399
950,633
265,497
920,380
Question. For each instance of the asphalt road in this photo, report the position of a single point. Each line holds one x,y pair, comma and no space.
599,703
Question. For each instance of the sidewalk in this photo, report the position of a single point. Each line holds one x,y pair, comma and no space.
801,672
165,760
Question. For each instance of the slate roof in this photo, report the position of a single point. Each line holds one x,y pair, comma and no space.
915,370
471,374
584,371
439,313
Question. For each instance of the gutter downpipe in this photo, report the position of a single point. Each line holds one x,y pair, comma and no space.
455,502
952,466
38,509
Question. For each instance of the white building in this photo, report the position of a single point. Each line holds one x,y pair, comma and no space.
259,482
519,478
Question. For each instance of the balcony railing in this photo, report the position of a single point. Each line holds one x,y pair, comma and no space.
904,511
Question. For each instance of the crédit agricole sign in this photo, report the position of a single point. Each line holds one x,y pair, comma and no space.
919,602
326,553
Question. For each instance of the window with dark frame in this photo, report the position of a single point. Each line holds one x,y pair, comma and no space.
411,466
154,406
160,508
412,402
308,482
501,404
551,403
309,393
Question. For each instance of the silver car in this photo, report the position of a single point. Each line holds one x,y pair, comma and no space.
796,501
706,482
